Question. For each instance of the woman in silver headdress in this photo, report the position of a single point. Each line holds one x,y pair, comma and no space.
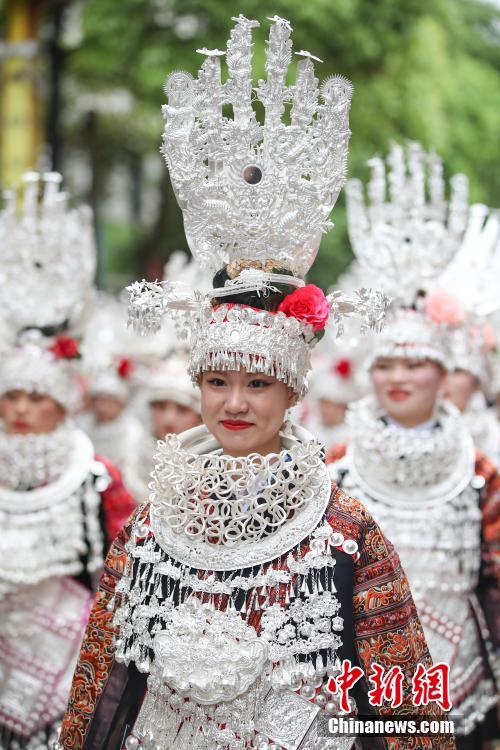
411,458
247,581
60,504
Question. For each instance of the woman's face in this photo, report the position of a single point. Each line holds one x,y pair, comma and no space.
245,411
407,389
170,417
459,386
24,413
106,408
332,413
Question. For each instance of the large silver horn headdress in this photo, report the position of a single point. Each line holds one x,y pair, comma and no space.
47,255
405,233
251,190
256,199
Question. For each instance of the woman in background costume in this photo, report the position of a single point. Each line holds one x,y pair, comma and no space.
60,505
411,458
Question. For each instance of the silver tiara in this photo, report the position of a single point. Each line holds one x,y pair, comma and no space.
47,254
256,199
249,190
407,232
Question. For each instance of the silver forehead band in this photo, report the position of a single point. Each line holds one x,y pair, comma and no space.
234,337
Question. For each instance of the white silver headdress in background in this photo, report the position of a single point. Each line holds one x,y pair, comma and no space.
37,364
47,255
473,280
411,334
256,199
408,232
405,235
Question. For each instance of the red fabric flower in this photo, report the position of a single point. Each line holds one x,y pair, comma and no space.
125,367
309,305
65,347
343,368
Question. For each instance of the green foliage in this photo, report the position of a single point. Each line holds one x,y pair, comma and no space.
422,69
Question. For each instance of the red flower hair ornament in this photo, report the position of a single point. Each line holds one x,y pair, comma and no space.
125,368
307,304
343,368
64,347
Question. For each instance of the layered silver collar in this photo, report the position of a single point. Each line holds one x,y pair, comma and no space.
483,425
216,512
30,461
399,465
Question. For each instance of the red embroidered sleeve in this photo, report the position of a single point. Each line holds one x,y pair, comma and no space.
490,572
387,627
117,502
97,651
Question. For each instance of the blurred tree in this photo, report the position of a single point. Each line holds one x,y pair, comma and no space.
422,69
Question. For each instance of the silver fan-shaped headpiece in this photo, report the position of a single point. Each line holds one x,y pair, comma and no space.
473,280
407,232
249,190
256,199
473,276
47,255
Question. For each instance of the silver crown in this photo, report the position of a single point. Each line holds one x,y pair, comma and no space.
248,190
255,198
473,275
410,334
47,255
472,279
407,233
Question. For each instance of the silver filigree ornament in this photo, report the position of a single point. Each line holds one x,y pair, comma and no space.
251,190
208,655
47,254
214,499
33,367
472,279
410,334
421,487
407,233
33,460
405,466
48,528
257,196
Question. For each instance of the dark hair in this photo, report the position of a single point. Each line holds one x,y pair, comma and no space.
262,301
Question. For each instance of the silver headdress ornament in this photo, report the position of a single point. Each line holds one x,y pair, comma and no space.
256,199
47,255
472,279
34,366
406,235
248,190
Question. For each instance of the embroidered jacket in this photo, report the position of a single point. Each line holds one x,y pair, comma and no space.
383,628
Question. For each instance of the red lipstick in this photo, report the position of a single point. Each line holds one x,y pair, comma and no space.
398,394
19,424
235,424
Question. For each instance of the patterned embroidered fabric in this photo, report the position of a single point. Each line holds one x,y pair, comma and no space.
386,626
